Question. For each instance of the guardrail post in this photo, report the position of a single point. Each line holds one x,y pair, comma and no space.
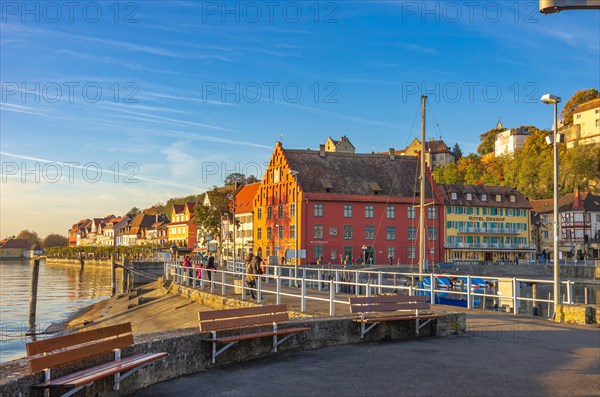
278,281
319,276
303,296
515,301
223,282
337,280
289,273
380,281
212,281
202,276
432,289
411,291
569,292
259,288
332,298
356,281
368,290
469,297
243,286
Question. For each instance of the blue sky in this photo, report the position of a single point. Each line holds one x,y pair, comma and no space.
109,105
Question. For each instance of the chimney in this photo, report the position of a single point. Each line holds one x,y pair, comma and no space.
392,154
321,150
577,203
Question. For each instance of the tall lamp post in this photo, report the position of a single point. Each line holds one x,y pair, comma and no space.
295,174
232,198
550,99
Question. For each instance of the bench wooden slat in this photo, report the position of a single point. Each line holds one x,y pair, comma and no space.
60,342
241,312
389,307
241,322
227,339
67,356
395,318
388,299
86,376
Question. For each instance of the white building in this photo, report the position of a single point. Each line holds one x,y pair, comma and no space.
244,199
509,141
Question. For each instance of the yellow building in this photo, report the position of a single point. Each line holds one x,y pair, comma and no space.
486,224
586,125
182,229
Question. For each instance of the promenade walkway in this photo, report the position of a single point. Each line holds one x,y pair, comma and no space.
500,355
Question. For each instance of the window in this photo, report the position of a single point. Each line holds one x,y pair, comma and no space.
512,198
546,235
333,231
292,231
410,212
431,233
498,198
317,251
390,233
333,254
369,232
347,232
259,233
391,252
280,232
431,212
318,209
347,210
469,196
483,197
369,211
412,253
269,212
390,212
280,211
318,231
453,196
292,209
412,232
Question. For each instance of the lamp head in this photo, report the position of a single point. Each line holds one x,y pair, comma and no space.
550,99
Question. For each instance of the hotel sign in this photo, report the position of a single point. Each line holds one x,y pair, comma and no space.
487,218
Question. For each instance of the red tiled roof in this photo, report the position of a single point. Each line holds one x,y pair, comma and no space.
490,192
19,243
594,103
244,198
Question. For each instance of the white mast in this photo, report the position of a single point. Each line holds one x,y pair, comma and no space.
422,191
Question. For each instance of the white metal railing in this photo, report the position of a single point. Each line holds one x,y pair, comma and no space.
364,282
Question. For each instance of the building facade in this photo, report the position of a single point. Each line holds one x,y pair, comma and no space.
486,224
182,231
509,141
586,125
243,207
344,207
438,153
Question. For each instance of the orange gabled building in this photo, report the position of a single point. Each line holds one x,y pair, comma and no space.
275,209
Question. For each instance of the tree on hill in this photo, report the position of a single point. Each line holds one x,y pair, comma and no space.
580,97
55,240
457,152
30,236
488,140
157,208
134,211
470,169
238,178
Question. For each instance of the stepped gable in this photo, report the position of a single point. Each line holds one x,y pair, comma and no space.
356,174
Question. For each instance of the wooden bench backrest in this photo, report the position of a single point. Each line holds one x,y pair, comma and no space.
94,342
217,320
389,303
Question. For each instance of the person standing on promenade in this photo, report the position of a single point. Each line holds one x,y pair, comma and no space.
250,272
210,267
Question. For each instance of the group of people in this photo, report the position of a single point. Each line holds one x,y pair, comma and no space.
199,266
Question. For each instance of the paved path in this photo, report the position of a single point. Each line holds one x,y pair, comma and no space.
500,355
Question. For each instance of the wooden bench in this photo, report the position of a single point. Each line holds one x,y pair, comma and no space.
242,318
373,310
80,345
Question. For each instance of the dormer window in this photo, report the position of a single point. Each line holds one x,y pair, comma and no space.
513,198
484,197
469,196
498,198
453,195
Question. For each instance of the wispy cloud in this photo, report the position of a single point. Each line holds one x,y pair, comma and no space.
11,107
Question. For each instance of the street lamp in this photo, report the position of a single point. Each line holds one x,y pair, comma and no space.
297,188
550,99
232,198
364,250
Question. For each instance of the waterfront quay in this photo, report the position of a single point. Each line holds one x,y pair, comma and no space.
498,355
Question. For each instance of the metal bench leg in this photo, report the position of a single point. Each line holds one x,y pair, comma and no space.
421,325
75,390
275,343
116,377
363,330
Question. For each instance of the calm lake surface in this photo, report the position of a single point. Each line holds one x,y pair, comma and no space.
62,290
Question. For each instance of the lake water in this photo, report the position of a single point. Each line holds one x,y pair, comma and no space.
62,290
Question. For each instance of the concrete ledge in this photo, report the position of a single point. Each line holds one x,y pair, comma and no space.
577,314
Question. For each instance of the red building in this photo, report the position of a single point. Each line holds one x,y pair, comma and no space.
350,205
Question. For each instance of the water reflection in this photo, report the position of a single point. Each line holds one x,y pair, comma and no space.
62,290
